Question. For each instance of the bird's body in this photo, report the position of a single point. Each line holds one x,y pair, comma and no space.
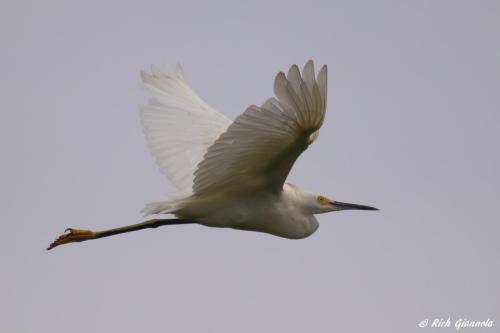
281,213
232,174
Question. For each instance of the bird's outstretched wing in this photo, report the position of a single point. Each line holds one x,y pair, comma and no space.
178,124
259,148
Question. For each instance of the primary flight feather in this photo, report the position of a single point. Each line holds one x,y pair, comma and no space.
232,174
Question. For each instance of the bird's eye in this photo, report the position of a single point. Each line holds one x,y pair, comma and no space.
322,200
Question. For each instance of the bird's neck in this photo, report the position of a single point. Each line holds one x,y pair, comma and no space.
300,198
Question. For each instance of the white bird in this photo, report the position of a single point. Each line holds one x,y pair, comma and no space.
232,174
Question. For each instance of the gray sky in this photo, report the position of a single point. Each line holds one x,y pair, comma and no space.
412,127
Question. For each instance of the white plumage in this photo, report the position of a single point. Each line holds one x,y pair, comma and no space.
262,144
232,174
179,125
235,175
200,150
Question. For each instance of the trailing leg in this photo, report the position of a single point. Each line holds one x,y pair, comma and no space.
79,235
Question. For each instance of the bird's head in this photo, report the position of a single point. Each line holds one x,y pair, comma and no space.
323,204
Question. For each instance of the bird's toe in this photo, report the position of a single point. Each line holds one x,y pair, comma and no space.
72,235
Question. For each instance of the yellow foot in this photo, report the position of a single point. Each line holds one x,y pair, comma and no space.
72,235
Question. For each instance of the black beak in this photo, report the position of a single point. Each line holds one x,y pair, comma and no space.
346,206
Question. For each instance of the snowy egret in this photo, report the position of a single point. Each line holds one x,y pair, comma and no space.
232,174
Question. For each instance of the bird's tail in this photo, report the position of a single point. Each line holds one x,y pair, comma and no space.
158,207
164,207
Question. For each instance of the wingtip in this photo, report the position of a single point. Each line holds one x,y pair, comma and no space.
279,80
322,74
308,72
144,75
179,72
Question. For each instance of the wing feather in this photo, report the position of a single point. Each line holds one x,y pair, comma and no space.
179,126
260,146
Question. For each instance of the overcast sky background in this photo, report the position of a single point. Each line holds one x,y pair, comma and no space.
412,127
